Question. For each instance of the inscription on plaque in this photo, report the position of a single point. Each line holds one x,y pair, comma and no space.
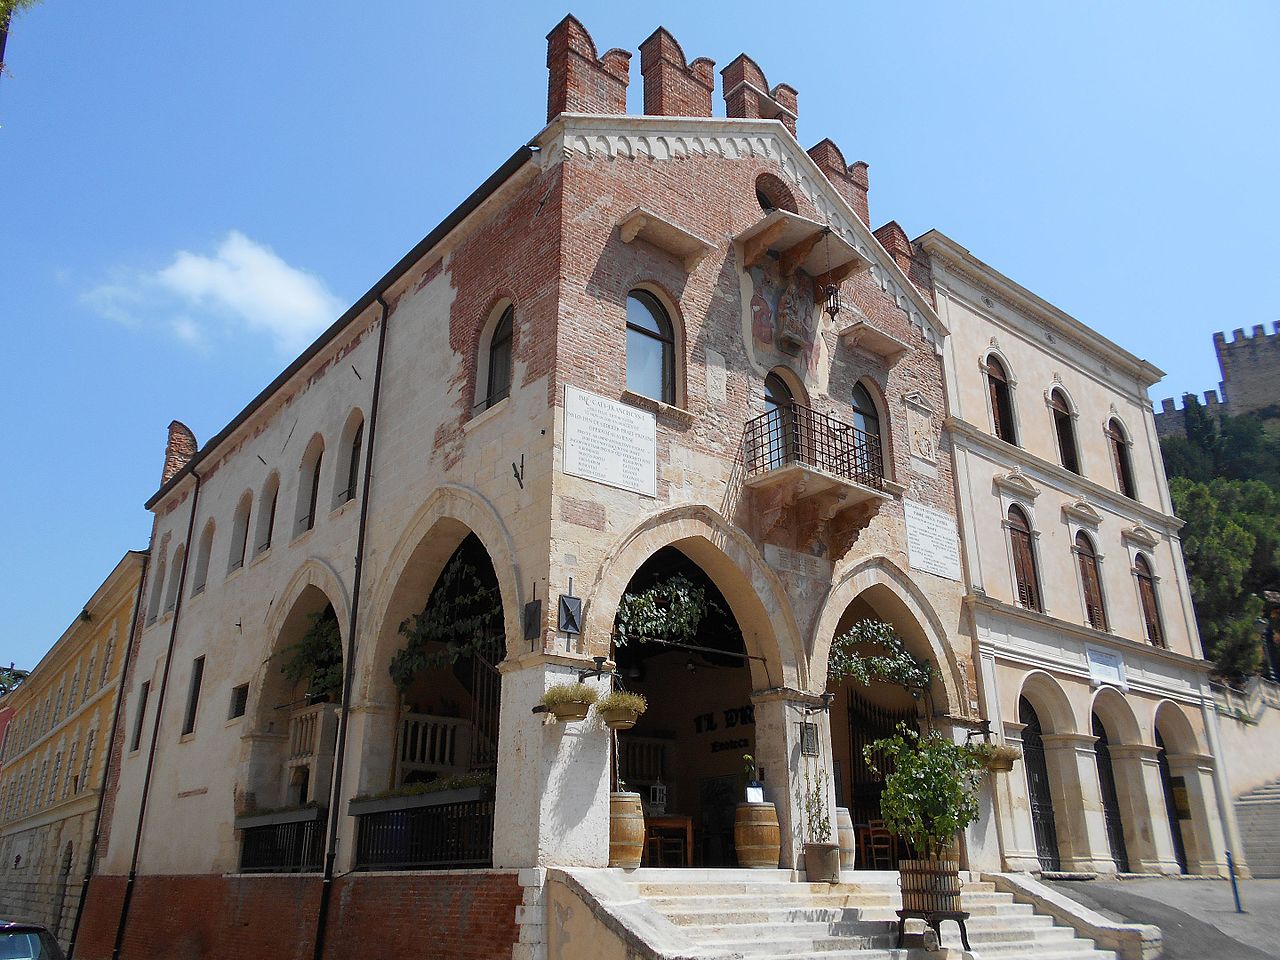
610,442
1106,667
933,544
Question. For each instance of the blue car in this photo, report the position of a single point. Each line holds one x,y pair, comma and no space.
27,941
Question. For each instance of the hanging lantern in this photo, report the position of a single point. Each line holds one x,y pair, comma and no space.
831,292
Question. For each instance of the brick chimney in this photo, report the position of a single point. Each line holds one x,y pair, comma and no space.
851,181
578,80
747,94
672,88
894,240
178,450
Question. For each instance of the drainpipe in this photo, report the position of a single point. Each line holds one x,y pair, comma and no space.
155,725
111,743
335,789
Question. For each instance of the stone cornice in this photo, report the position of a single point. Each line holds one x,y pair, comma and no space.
668,138
1072,484
960,261
1132,648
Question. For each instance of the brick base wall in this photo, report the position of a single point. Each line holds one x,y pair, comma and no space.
450,916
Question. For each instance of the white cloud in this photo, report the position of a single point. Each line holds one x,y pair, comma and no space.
242,286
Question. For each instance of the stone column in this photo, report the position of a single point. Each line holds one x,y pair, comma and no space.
1077,803
779,715
367,767
1202,834
1141,794
1019,839
553,778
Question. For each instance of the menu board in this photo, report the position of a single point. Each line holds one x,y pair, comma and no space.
610,442
933,543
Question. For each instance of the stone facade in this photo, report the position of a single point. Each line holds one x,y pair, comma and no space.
348,491
53,760
1249,365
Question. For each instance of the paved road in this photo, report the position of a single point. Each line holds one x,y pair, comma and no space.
1197,917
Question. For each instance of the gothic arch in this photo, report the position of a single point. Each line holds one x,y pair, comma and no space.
728,557
414,565
893,585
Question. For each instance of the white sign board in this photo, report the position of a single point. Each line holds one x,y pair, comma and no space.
933,544
610,442
1106,667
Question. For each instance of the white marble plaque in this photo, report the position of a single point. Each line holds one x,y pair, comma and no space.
610,442
933,545
1106,667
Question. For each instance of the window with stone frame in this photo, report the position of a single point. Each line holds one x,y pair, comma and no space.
1152,625
1001,401
651,370
498,360
1065,429
1120,459
1026,576
1091,581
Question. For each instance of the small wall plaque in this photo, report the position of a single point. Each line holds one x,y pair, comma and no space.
570,614
808,739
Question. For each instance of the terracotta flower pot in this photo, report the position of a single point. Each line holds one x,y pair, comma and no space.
619,719
570,712
822,862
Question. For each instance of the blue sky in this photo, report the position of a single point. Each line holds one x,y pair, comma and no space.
192,191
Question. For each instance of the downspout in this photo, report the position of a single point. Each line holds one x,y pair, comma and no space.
155,726
335,789
111,744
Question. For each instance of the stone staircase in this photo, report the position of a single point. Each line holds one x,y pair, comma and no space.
764,915
1258,815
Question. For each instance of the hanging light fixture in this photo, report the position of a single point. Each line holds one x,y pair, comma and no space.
831,291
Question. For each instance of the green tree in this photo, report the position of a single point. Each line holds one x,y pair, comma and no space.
10,677
7,9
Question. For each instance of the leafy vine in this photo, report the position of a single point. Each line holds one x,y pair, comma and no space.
892,662
670,610
317,657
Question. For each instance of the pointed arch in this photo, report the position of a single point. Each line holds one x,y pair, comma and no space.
267,504
757,597
906,606
239,550
351,441
309,486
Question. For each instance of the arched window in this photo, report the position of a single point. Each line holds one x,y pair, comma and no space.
349,463
157,591
1091,582
240,533
1147,597
498,384
1001,401
1119,444
200,575
1025,576
267,514
650,348
1064,426
867,452
309,486
175,574
780,424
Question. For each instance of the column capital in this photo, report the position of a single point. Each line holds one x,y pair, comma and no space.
1188,761
1078,740
786,695
528,661
1134,751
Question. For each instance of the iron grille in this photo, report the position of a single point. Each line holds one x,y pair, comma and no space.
440,837
795,434
296,847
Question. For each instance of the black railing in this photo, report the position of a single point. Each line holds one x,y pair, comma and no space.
296,847
439,837
795,434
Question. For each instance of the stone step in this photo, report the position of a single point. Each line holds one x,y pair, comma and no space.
742,911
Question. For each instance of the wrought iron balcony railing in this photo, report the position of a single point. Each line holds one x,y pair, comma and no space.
796,435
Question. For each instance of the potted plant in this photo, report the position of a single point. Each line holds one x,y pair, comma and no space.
569,702
821,856
757,840
930,795
621,709
997,757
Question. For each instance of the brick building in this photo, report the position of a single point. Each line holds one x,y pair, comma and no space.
647,350
1250,369
53,756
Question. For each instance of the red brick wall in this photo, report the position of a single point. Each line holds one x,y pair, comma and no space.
447,916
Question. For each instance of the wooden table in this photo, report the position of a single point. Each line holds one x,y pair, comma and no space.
654,828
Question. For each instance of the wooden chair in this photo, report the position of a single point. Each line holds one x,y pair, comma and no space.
880,846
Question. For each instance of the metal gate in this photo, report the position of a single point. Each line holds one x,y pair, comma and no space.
486,695
868,723
1038,793
1110,799
1171,806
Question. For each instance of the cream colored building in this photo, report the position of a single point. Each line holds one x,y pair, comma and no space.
1077,596
53,760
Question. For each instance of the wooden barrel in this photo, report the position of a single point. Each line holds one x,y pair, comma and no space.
626,830
756,836
931,886
848,839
